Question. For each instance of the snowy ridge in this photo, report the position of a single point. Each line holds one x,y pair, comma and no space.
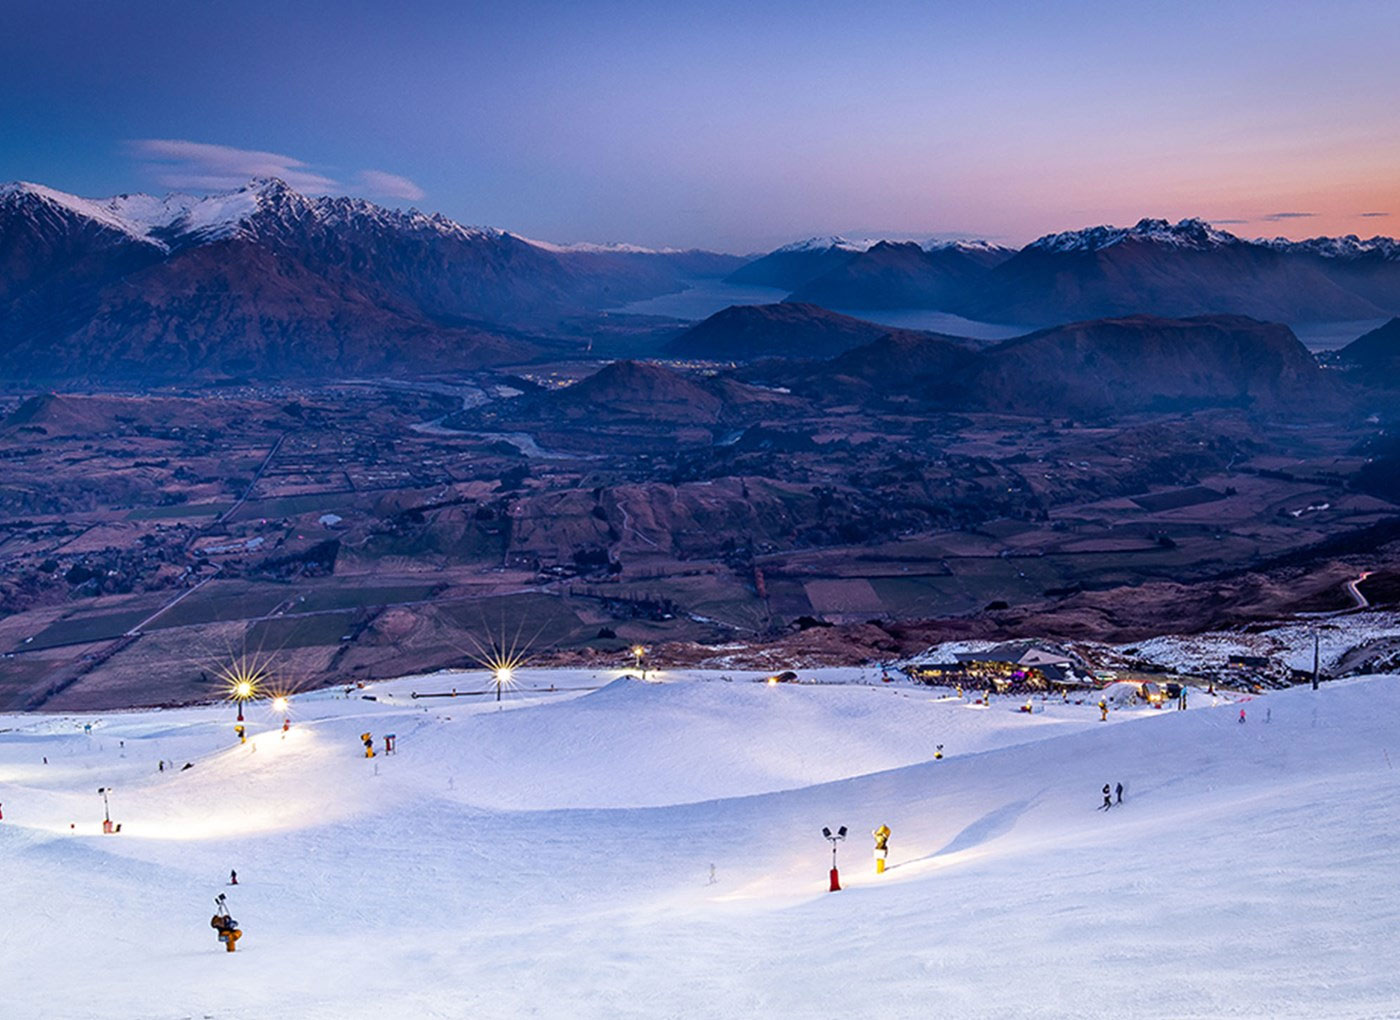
967,245
1193,234
827,242
612,248
19,193
1343,248
179,220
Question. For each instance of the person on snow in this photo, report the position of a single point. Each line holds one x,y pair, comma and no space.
1119,790
1241,715
232,877
1107,797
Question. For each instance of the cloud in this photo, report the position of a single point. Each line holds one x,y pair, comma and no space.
1372,215
199,166
378,182
176,163
1227,223
1276,217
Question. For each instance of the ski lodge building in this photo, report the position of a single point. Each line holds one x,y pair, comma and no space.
1016,667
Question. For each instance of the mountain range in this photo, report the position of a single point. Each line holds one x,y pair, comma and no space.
1154,267
1098,367
264,280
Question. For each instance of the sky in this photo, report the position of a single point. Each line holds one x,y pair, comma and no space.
734,126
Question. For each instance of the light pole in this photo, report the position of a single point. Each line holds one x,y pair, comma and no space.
242,691
502,677
106,809
637,652
834,838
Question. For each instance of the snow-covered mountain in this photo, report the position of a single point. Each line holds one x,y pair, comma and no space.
1192,234
1348,246
180,284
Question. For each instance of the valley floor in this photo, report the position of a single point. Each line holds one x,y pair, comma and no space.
617,848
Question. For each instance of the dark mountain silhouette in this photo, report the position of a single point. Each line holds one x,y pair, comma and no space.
1376,355
1171,270
788,330
1094,368
790,266
1146,363
903,275
637,390
1154,267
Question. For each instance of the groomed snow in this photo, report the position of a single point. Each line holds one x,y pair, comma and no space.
499,863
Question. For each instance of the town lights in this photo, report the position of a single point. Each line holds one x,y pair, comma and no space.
834,838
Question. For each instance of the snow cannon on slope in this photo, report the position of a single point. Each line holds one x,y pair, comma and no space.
224,925
882,847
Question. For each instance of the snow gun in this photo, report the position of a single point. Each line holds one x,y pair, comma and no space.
224,925
882,847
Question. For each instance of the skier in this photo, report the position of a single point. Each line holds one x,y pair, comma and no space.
1107,797
1241,715
1119,790
232,877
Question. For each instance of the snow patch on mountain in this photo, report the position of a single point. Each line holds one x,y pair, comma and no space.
611,248
829,241
180,220
967,245
1346,247
1188,234
16,194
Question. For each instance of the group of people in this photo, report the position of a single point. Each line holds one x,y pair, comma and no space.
1108,793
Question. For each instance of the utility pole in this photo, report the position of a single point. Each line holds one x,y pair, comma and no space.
1317,658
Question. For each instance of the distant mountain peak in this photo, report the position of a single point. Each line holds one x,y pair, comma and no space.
1192,233
1344,248
827,242
967,245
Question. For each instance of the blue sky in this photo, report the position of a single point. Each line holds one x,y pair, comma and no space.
730,125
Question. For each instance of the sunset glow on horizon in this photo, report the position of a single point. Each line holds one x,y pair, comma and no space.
730,126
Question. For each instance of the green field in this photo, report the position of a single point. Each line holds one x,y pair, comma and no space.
318,599
290,506
299,631
84,629
540,621
227,600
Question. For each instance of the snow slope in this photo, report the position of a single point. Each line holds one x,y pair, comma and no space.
499,865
